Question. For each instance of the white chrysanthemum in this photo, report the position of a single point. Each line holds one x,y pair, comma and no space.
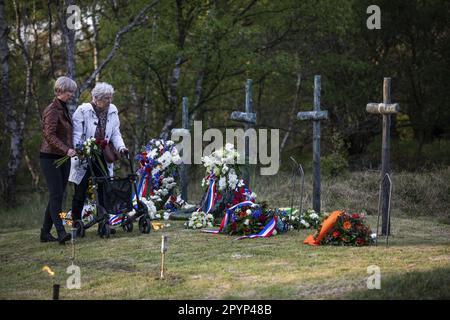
303,222
225,169
207,161
153,153
165,159
314,216
222,183
232,179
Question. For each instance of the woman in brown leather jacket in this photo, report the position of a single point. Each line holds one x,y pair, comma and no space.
57,142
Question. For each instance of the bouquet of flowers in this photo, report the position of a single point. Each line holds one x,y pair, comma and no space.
158,173
91,148
221,165
308,219
349,230
222,183
251,219
200,220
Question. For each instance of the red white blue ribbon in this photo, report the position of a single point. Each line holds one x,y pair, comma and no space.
115,220
210,196
141,182
266,232
226,218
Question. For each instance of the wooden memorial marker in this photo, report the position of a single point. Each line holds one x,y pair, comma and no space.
316,116
249,119
183,167
386,109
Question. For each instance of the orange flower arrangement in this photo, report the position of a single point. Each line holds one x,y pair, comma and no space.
342,228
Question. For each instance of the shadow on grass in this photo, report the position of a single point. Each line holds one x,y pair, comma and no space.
416,285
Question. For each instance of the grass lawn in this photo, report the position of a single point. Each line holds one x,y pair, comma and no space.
416,265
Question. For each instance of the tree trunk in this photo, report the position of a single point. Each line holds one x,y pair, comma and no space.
15,121
6,103
50,40
95,44
68,36
33,171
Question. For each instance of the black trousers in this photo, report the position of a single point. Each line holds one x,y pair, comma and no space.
56,179
79,195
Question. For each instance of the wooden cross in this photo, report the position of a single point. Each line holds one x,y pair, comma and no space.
184,131
316,116
386,109
184,167
249,119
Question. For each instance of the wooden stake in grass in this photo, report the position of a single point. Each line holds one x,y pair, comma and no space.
73,232
163,253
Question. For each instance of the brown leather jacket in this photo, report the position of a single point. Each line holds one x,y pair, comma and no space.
57,129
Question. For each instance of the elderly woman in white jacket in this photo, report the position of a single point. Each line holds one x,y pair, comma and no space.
98,119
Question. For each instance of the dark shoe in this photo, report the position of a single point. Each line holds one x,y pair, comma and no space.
47,236
63,237
113,231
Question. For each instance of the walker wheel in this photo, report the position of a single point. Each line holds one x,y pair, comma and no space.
145,224
127,225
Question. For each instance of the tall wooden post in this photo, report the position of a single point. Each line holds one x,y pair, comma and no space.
316,116
249,119
386,157
386,109
184,167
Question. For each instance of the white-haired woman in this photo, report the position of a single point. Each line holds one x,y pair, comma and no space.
98,119
57,131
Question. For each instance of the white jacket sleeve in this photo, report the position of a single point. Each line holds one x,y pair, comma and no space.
116,136
77,120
